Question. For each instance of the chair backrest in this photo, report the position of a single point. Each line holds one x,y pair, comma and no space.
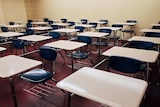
105,30
141,45
93,23
55,35
104,20
45,19
4,29
117,25
152,34
11,23
155,27
29,32
64,20
50,22
84,39
48,53
84,21
28,25
124,64
54,27
71,23
29,21
18,44
80,28
131,21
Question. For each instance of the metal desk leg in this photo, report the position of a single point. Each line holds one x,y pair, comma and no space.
13,92
69,99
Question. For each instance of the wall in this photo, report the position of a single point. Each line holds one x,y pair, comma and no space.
146,12
13,10
2,19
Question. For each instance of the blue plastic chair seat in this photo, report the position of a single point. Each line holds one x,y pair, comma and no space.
36,75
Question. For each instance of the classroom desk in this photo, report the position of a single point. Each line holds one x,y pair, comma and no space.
61,24
13,65
41,28
147,56
95,35
104,87
66,45
8,35
40,23
114,29
66,31
35,38
87,26
15,27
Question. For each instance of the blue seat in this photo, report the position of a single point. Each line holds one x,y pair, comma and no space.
71,23
45,19
28,32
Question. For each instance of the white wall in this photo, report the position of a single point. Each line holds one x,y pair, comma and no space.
145,12
13,10
2,19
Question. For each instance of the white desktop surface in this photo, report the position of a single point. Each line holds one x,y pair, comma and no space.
12,65
66,30
127,24
112,28
93,34
65,44
150,30
2,49
10,34
105,87
35,38
139,54
41,28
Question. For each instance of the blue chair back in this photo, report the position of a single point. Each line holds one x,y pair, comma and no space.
28,25
50,22
11,23
4,29
155,27
80,28
84,21
141,45
29,32
93,23
48,53
105,30
54,27
29,21
17,43
152,34
117,25
55,35
71,23
131,21
104,20
64,20
124,64
45,19
84,39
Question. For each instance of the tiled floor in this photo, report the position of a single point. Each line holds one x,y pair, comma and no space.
58,98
